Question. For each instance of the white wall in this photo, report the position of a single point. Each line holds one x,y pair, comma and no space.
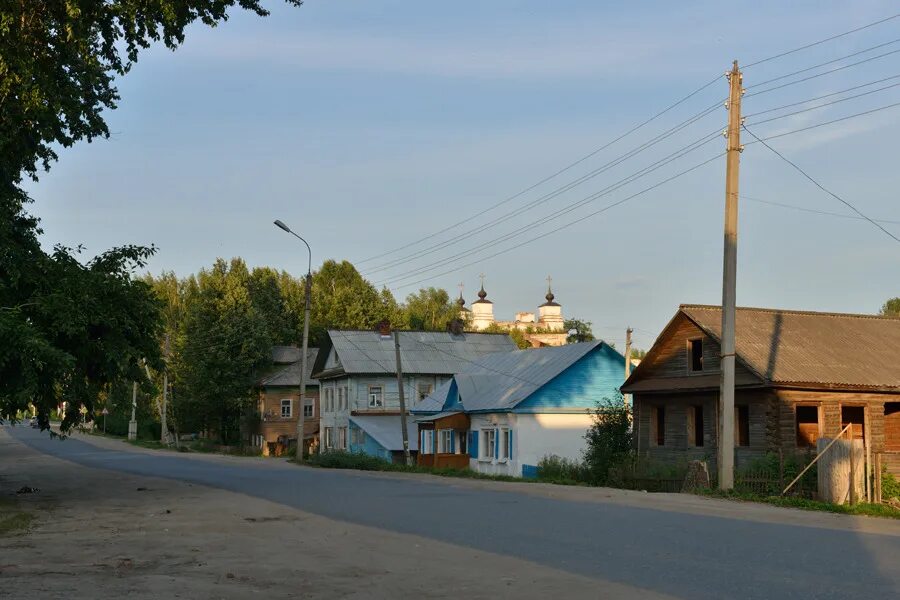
534,437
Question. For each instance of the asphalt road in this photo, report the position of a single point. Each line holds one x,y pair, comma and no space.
683,555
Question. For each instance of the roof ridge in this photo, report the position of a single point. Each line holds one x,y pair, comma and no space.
790,311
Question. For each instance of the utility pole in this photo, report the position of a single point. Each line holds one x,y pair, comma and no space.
403,429
628,333
301,419
132,424
729,281
164,428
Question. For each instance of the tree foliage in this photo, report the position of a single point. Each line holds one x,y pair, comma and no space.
891,308
609,439
430,309
582,331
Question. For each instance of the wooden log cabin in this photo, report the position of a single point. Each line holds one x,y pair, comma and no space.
800,375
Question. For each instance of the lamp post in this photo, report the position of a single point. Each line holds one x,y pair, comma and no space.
308,289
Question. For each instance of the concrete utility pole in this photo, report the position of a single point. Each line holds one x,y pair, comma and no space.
164,429
729,280
403,429
132,424
628,333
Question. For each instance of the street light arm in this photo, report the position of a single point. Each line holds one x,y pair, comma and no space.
280,224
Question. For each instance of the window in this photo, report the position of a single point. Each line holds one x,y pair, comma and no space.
742,425
695,355
376,396
329,394
342,398
346,394
488,443
857,416
342,438
504,444
658,425
307,408
461,442
424,390
329,438
807,418
286,408
427,441
357,437
695,426
445,445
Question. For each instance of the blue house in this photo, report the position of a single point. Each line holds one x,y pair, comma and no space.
507,411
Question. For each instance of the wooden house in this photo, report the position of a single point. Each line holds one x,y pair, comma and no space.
278,403
505,412
357,371
799,376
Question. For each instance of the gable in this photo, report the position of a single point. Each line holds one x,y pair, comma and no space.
594,378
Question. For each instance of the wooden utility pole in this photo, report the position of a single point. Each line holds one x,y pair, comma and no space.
164,429
729,279
301,418
132,424
628,333
403,428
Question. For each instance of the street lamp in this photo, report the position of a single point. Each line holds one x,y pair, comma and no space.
308,286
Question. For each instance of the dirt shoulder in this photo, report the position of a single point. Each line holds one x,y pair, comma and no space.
100,533
682,503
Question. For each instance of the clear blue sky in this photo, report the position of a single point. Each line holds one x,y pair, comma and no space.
366,125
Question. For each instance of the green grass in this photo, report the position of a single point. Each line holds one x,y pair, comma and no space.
12,520
871,510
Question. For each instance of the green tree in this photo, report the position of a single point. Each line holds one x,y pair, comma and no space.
430,309
609,439
342,299
891,308
517,335
582,330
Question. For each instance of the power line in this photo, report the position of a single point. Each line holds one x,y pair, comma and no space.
820,186
822,41
814,211
569,208
838,93
550,195
818,106
569,224
548,178
832,122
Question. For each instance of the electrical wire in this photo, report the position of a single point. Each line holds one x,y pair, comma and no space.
844,91
814,211
820,186
822,41
818,106
832,122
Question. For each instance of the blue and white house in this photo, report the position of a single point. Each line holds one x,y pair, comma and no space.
506,411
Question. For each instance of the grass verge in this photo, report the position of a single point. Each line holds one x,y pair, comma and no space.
12,520
871,510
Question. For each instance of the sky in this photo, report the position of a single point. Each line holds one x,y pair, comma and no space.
367,126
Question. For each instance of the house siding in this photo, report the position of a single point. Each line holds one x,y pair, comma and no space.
593,378
272,425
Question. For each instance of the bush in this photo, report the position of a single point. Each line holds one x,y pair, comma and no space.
558,469
339,459
769,475
890,487
609,440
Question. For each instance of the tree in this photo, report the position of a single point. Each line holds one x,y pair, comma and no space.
891,308
431,309
70,328
582,330
609,439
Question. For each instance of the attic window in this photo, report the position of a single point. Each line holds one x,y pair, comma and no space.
695,355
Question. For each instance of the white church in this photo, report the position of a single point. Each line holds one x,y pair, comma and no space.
546,330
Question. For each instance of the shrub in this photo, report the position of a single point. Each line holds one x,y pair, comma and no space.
609,440
890,487
556,468
339,459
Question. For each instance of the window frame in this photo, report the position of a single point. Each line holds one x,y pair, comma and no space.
342,438
380,403
487,445
695,430
427,441
329,438
741,441
419,387
290,408
443,441
309,403
818,409
503,454
690,356
657,419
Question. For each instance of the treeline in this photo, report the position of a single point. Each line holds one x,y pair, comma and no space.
218,328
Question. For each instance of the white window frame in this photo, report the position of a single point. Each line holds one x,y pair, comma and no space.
427,441
444,442
329,438
486,447
309,408
380,397
419,387
504,445
342,438
287,402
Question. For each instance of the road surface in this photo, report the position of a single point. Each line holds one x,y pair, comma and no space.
696,548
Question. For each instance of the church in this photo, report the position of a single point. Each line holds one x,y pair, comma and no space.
547,330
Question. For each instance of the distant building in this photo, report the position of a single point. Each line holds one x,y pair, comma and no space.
505,412
359,395
547,330
279,397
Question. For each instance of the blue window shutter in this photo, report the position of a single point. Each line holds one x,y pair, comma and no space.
509,453
496,443
473,443
422,441
452,442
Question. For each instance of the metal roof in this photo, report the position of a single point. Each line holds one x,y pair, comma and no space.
385,429
421,352
283,355
435,401
289,375
802,347
498,382
435,417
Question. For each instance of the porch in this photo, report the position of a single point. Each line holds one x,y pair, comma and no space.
443,441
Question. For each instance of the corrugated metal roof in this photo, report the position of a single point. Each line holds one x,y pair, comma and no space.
800,347
283,355
289,375
385,429
421,352
435,401
437,416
